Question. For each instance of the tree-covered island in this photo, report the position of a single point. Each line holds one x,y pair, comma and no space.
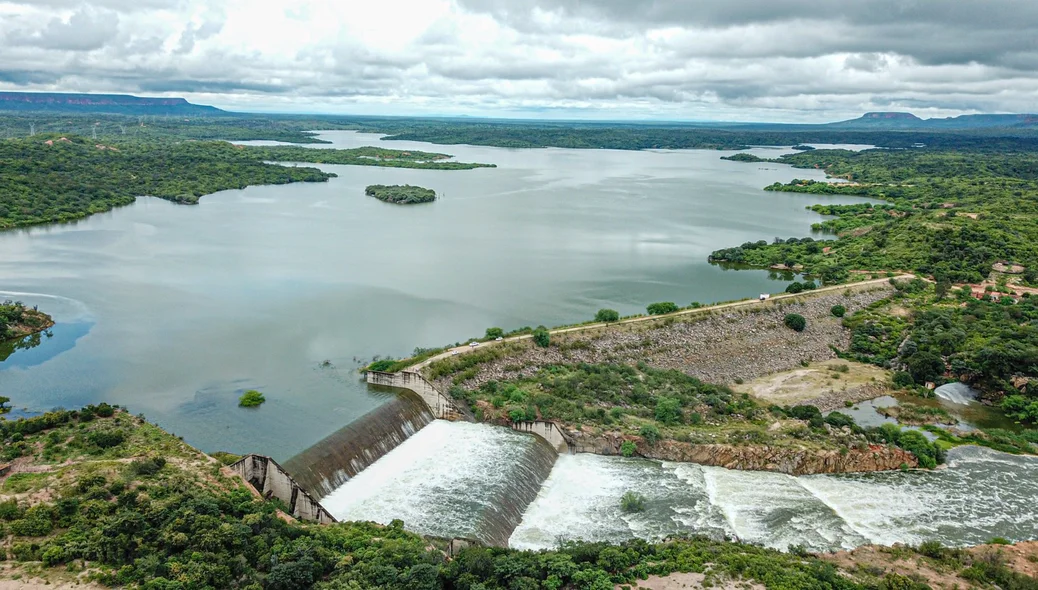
401,194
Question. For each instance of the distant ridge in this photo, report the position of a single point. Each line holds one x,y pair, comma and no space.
898,120
101,103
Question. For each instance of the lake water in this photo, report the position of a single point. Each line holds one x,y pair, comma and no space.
174,310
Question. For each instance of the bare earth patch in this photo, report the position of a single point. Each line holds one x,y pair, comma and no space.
682,581
819,382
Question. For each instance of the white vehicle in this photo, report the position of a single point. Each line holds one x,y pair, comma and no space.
498,339
454,352
473,344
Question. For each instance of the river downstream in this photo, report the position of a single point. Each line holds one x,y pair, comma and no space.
450,479
173,311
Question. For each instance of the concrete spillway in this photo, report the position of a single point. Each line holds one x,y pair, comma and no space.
343,454
451,479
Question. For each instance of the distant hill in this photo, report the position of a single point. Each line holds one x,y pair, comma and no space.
896,120
101,103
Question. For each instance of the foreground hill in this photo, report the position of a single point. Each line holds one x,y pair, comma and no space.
101,103
100,497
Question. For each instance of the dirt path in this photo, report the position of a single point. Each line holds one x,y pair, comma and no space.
685,312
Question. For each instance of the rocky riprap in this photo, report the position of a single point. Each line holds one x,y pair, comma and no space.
715,347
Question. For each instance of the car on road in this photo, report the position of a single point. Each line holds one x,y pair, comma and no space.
473,344
498,339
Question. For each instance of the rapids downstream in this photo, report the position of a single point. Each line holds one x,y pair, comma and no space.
492,484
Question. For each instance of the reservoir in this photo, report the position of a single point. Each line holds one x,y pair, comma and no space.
174,311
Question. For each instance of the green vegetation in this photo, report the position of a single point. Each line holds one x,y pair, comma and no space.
656,404
542,337
493,333
47,179
18,321
251,399
607,315
838,311
744,157
632,502
795,322
149,511
400,194
661,308
949,214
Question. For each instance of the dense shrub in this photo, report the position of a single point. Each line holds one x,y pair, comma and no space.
542,337
251,399
662,307
795,321
607,315
838,311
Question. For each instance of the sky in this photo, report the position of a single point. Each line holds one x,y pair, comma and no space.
728,60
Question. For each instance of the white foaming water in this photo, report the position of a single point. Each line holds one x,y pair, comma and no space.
980,495
957,393
450,479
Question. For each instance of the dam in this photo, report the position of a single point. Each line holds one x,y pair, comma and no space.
520,487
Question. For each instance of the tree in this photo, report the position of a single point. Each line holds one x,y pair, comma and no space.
493,333
661,308
795,287
3,404
632,502
607,315
542,337
925,366
838,311
668,410
795,322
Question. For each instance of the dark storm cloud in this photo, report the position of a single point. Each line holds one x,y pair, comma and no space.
931,31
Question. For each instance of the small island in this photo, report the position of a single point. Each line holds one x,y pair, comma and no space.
405,194
18,321
744,157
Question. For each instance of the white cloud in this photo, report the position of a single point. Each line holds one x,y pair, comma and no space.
737,60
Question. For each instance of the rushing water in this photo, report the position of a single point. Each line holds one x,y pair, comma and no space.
175,310
980,495
451,479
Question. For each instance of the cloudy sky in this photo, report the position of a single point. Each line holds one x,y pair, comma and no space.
750,60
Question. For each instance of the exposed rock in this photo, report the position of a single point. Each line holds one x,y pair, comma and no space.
719,347
791,461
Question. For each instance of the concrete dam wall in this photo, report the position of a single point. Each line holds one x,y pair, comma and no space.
346,452
272,481
440,405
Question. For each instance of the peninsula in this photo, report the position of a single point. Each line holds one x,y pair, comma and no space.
401,194
18,321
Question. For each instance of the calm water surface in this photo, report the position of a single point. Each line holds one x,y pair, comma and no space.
173,310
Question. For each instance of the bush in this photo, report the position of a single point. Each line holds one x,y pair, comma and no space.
542,337
839,420
668,410
632,502
650,433
381,366
493,333
628,448
607,315
106,439
795,322
903,379
794,287
251,399
838,311
661,308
